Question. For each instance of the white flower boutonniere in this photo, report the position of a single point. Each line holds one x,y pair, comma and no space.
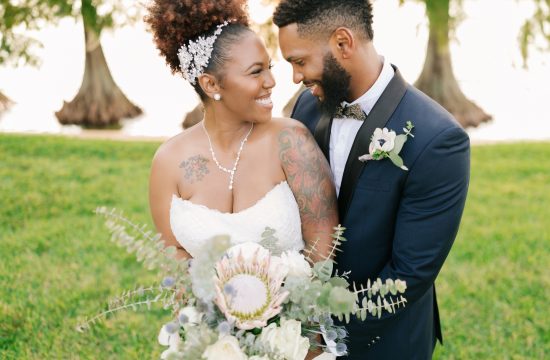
387,144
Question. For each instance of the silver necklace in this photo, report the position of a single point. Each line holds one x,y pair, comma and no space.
231,171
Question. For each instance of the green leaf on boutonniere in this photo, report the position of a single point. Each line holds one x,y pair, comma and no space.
400,140
396,159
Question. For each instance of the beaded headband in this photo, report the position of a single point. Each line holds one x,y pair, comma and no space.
195,56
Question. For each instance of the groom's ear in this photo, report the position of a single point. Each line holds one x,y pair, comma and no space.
342,42
209,84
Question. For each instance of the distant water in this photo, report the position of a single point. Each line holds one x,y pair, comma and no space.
486,61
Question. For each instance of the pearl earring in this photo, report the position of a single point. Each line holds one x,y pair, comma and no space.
217,97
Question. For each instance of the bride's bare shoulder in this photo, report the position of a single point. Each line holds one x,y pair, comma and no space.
176,146
278,124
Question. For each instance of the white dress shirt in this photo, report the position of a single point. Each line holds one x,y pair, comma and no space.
343,131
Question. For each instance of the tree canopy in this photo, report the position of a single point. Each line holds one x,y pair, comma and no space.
535,32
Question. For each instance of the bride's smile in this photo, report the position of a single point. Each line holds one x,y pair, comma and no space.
246,82
265,101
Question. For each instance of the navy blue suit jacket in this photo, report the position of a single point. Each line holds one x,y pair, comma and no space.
400,224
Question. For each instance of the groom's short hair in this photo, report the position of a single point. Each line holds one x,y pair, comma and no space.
319,18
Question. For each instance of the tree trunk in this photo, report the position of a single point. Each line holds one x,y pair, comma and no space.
437,79
193,117
99,102
5,103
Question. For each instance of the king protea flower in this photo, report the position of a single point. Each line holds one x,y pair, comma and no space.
248,286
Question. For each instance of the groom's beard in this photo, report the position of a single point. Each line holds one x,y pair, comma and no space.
335,82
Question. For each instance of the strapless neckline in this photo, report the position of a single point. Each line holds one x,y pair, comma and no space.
263,199
193,224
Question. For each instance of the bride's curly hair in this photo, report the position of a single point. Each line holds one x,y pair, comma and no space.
174,22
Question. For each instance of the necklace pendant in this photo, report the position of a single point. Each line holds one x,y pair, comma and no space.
232,171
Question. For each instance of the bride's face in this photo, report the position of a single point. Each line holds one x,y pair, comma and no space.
247,80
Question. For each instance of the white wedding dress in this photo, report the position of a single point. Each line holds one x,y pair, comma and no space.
194,224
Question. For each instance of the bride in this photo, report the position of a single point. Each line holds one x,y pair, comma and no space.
239,170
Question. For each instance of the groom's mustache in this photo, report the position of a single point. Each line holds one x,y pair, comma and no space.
309,84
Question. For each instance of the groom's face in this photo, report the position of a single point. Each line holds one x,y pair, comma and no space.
314,65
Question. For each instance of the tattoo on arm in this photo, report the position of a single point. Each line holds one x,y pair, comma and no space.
310,179
195,168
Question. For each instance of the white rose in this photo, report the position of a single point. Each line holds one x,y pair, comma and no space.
256,357
278,266
268,334
296,264
382,139
190,314
286,339
226,348
172,340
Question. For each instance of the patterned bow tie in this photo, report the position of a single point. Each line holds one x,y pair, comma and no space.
350,112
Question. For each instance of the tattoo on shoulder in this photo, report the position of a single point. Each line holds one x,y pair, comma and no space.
195,168
308,174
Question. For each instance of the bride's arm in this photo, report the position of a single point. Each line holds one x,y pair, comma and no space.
162,185
308,174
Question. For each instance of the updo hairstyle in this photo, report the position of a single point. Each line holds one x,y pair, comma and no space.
174,23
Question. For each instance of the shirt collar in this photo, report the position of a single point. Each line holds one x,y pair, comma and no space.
369,99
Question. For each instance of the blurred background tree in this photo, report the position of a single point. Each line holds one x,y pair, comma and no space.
535,32
17,48
437,79
99,103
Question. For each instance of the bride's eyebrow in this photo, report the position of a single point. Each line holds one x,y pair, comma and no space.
259,63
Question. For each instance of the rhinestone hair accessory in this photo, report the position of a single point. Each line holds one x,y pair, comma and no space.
195,56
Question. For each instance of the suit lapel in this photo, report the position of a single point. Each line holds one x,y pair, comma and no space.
377,118
322,133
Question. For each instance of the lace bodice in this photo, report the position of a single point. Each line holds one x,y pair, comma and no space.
193,224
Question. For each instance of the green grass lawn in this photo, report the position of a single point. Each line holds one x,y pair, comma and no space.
57,263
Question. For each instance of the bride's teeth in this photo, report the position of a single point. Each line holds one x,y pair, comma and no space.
265,101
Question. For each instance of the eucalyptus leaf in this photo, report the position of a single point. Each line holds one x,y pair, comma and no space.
396,159
339,282
400,140
323,269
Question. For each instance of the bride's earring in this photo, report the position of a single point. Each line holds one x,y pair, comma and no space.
217,97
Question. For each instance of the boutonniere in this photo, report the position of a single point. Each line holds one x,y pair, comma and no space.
387,144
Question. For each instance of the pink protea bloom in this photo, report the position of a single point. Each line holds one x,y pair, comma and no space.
248,289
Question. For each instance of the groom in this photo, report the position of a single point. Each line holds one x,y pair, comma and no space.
401,223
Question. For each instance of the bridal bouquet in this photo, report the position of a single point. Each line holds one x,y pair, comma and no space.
248,301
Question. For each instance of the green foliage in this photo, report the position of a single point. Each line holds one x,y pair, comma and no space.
147,245
535,32
152,252
270,242
16,47
99,15
443,16
57,262
17,18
